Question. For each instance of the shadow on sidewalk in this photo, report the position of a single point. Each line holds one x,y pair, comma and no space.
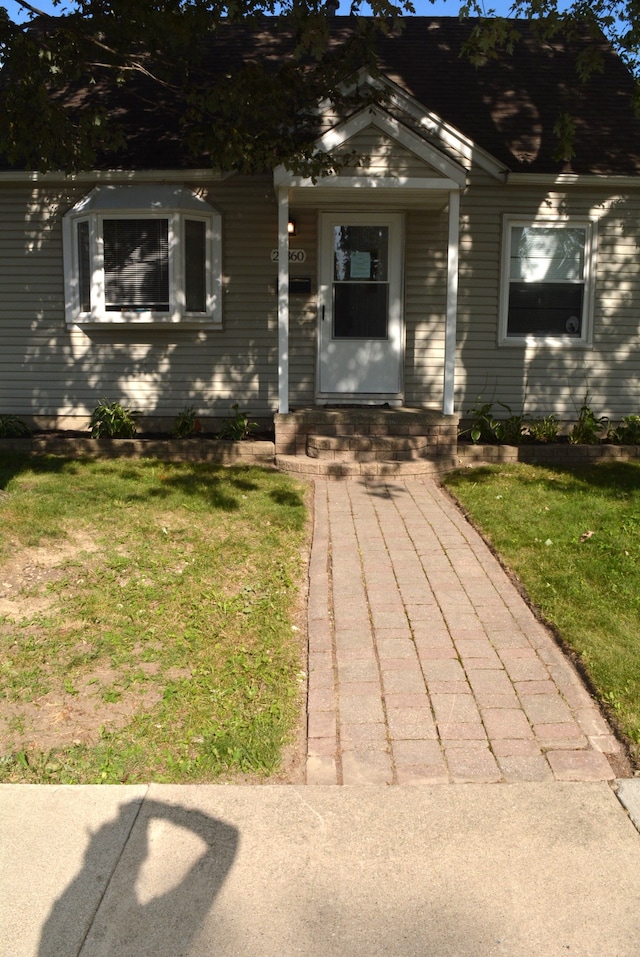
160,891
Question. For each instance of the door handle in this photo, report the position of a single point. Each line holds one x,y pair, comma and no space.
323,313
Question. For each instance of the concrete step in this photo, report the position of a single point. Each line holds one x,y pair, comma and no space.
327,468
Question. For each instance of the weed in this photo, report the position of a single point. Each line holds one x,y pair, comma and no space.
186,423
237,427
11,425
111,420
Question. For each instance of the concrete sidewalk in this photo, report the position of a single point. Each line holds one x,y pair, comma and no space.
425,663
533,870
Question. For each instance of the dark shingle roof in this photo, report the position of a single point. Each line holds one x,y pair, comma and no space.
508,106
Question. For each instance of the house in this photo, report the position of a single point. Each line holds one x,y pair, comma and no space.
461,261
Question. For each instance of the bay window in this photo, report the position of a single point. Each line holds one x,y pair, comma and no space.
142,254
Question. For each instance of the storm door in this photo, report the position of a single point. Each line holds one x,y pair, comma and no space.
360,306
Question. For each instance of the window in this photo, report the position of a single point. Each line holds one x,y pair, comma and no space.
547,288
142,254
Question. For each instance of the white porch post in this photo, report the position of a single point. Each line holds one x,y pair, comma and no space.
283,300
452,304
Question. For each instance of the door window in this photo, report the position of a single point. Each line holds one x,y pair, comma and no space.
360,282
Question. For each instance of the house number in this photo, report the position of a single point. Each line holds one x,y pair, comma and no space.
295,255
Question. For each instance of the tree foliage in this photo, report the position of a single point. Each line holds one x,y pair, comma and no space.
236,86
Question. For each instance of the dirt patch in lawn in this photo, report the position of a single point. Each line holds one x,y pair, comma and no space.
78,710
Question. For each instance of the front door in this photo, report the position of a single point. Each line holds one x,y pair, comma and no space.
360,307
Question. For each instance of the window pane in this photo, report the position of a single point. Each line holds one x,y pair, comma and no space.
552,309
360,310
195,265
553,254
84,267
360,253
136,265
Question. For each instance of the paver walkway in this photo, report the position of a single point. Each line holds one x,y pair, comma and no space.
425,663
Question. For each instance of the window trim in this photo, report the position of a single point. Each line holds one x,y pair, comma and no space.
585,339
176,204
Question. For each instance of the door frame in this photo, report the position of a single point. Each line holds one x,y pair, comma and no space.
396,222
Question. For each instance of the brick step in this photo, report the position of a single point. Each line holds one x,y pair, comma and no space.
437,431
367,448
304,465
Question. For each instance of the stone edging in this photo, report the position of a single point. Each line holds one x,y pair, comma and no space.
565,454
178,450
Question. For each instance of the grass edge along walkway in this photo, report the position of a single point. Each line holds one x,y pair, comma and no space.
572,538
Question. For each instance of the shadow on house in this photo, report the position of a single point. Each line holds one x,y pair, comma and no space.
160,889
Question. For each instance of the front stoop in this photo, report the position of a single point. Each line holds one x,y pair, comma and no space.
342,442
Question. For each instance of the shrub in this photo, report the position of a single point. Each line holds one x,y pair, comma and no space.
543,430
628,432
186,424
486,428
238,427
11,425
110,419
588,428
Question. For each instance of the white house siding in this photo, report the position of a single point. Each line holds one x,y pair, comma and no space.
50,371
544,379
382,156
425,305
303,311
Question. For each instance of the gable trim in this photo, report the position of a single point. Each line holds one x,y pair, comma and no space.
453,175
435,125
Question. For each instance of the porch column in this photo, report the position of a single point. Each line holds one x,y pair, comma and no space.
448,393
283,301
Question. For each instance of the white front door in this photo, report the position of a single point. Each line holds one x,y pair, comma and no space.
360,340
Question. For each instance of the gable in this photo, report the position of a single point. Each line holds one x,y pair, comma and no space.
382,155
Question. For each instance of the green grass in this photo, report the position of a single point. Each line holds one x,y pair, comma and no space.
164,612
573,539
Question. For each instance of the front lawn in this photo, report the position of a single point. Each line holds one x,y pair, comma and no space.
148,620
572,536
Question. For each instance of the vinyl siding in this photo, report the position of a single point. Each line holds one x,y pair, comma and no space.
425,306
542,379
303,312
48,370
383,156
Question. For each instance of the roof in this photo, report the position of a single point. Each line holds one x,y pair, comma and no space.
508,106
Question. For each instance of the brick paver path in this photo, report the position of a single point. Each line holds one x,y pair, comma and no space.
425,663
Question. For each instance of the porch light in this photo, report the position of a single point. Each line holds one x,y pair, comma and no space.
291,227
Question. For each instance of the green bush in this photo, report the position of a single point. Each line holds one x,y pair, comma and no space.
543,430
589,427
111,420
186,423
627,433
238,427
486,428
11,425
